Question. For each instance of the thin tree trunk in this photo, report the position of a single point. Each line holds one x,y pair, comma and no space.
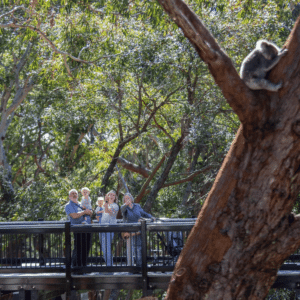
143,190
110,168
163,177
188,188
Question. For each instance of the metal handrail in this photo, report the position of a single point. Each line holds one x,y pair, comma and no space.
37,232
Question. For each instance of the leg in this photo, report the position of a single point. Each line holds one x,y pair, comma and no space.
77,252
129,249
86,245
106,246
276,60
74,253
111,236
263,84
103,244
138,250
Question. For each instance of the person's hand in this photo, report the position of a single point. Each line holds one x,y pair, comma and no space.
88,212
126,235
83,207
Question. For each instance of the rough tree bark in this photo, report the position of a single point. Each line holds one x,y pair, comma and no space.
245,229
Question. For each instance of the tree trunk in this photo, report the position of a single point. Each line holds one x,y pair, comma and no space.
111,167
164,175
188,188
245,229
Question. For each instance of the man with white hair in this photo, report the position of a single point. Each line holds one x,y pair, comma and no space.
82,241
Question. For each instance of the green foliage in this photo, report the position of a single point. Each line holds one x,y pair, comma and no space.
281,294
65,132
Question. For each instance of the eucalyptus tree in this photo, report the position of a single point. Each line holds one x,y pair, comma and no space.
106,69
245,229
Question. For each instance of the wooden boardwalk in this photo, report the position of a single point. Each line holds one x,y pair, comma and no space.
37,256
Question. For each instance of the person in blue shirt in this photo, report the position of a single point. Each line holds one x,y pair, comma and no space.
132,213
82,241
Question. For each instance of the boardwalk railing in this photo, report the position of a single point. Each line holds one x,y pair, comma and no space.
48,248
38,256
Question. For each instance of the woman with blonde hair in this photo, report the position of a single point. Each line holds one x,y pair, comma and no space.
109,217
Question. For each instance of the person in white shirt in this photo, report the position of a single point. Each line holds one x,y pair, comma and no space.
109,217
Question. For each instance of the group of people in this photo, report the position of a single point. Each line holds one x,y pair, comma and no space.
106,213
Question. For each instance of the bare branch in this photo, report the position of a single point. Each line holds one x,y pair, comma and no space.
12,11
146,184
67,66
86,47
163,130
188,178
158,107
133,167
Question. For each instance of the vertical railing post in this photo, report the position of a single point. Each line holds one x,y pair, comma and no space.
68,258
144,256
41,246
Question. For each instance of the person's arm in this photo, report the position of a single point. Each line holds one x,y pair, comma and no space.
83,203
123,209
114,210
80,214
146,215
106,209
75,215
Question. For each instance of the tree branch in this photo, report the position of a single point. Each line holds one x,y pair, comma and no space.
12,11
146,184
188,178
44,37
163,130
133,167
238,95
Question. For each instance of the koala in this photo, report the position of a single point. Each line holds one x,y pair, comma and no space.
255,66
